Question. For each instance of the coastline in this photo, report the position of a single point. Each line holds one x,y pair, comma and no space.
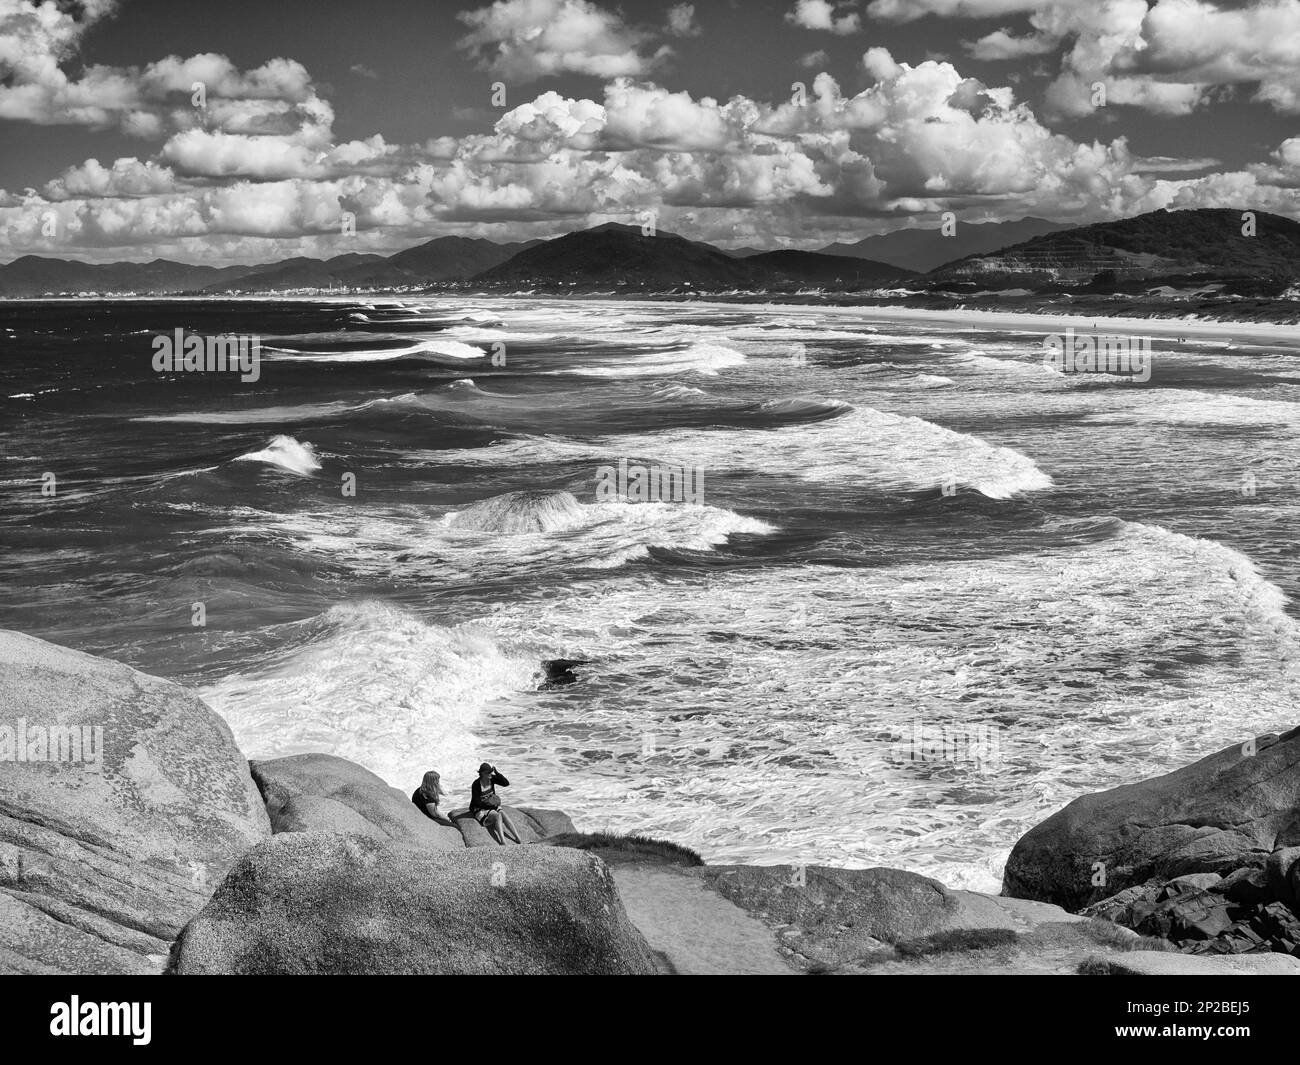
310,864
1281,329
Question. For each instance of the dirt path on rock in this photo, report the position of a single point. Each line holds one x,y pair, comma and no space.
692,930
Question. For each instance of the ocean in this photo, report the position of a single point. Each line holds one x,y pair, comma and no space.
921,589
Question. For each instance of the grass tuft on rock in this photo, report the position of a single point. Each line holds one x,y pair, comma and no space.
1111,934
632,847
956,939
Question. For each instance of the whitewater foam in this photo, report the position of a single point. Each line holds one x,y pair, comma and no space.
1094,665
707,359
286,453
861,446
424,349
375,684
1200,408
520,512
501,537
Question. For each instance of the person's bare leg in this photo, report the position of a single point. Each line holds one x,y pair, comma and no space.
510,827
493,823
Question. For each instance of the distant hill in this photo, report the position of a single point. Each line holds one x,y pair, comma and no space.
1195,245
924,249
814,267
450,258
620,255
612,253
299,272
34,275
439,260
1204,243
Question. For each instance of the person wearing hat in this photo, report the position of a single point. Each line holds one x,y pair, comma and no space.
485,806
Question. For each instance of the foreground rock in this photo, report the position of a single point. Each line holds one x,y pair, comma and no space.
785,920
779,919
1151,963
323,793
104,859
1226,812
321,903
837,917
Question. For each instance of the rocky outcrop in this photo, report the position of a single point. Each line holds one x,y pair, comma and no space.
837,916
1250,911
112,842
129,804
784,920
533,824
321,903
323,793
1224,813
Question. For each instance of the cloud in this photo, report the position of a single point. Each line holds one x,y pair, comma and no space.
1002,44
681,21
815,59
37,41
524,40
363,71
837,18
1164,164
257,173
1168,57
911,10
126,178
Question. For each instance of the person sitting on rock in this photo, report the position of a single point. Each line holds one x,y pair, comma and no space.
429,795
485,806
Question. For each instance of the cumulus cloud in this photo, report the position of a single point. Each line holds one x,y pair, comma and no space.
524,40
681,21
38,40
837,18
257,173
1165,164
218,121
1165,56
911,10
1002,44
126,178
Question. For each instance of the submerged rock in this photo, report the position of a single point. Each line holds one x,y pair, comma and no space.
560,670
103,862
308,903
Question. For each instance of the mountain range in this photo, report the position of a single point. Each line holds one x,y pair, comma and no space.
621,256
1215,245
1208,245
923,250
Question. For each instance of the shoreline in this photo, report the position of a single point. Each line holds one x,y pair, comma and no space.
311,864
1167,324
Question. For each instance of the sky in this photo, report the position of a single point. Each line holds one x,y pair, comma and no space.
253,131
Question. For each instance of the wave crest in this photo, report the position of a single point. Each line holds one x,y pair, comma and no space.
520,512
286,453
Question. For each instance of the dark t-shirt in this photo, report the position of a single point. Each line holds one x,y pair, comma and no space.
417,797
486,798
